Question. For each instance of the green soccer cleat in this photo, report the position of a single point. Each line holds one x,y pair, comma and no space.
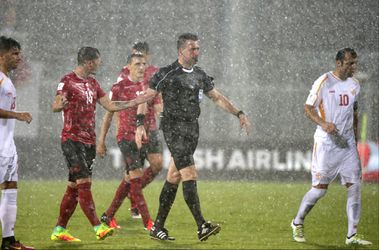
62,234
355,240
297,232
103,231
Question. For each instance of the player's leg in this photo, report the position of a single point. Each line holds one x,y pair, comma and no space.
155,158
351,178
8,203
153,152
323,172
81,169
69,200
121,193
166,199
136,194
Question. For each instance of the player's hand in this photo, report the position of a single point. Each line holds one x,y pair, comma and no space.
245,124
329,127
24,117
64,102
101,149
140,136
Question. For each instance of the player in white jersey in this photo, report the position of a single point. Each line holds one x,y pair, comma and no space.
332,105
9,59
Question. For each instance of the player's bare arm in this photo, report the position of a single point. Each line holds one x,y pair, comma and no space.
101,148
140,128
221,101
311,113
60,102
20,116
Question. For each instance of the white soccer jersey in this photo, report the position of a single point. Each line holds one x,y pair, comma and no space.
7,102
334,100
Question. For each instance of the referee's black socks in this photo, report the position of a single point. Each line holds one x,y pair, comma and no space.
166,199
192,199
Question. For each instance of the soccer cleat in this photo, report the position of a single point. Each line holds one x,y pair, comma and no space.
207,229
160,234
113,224
149,225
297,232
135,213
15,246
103,231
355,240
62,234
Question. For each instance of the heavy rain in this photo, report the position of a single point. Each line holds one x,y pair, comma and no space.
263,55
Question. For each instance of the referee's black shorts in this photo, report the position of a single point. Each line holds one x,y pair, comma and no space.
181,139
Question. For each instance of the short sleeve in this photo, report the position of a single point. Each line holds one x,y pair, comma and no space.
314,98
208,83
157,81
113,94
100,92
62,87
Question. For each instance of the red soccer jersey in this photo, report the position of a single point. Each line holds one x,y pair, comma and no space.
79,115
126,90
150,114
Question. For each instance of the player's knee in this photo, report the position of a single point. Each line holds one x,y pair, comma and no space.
188,173
173,176
156,165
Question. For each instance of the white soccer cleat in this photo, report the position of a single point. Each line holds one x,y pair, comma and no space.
355,240
297,232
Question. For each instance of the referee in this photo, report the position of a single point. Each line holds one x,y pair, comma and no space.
183,85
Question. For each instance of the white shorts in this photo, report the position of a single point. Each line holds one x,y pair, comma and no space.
8,169
328,161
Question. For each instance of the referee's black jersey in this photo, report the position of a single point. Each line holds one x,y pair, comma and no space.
182,91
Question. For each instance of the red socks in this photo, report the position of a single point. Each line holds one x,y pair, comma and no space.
148,176
137,195
86,202
68,205
121,193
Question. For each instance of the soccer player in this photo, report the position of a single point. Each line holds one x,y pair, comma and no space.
77,95
154,169
10,57
183,85
332,105
135,137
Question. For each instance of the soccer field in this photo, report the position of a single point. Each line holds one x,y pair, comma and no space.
252,215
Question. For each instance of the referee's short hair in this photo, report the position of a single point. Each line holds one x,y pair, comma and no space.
87,54
342,52
185,37
7,43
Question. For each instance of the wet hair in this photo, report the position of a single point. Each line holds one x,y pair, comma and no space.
185,37
142,47
7,43
134,55
342,52
87,54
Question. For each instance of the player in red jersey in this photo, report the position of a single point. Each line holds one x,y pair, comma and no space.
151,117
136,137
77,95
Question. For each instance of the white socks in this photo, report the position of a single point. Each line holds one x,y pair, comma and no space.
8,211
353,208
309,200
